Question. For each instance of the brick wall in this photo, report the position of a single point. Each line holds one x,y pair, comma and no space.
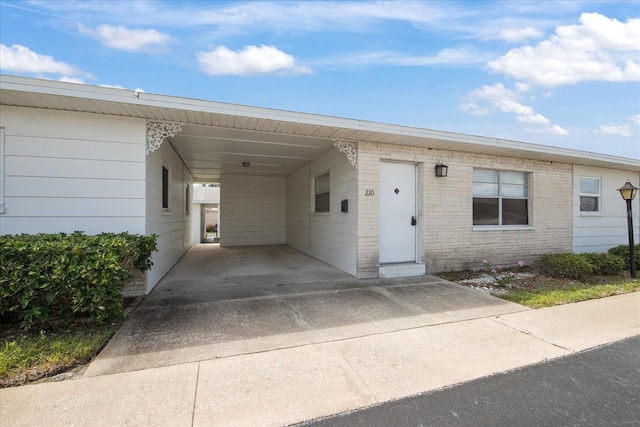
448,239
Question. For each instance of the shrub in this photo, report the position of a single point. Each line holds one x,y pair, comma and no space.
565,265
622,251
605,264
47,277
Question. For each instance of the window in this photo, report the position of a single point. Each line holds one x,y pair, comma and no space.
322,193
589,194
165,187
500,198
187,199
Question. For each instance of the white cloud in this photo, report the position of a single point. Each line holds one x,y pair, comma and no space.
621,130
522,87
251,60
130,40
71,80
487,99
459,55
21,59
515,35
636,119
598,49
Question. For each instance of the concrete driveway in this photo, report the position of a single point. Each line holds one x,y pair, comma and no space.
224,302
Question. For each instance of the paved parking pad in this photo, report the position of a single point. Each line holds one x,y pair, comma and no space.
179,327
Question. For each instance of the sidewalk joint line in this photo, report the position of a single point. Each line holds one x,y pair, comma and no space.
529,333
195,396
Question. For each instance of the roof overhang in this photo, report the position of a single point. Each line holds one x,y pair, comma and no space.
218,137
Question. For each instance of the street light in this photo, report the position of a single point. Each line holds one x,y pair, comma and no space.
628,193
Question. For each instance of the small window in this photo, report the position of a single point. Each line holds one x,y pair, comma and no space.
589,194
165,187
187,199
322,193
500,198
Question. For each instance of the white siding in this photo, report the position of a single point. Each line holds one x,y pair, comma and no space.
330,237
252,210
68,171
597,232
172,226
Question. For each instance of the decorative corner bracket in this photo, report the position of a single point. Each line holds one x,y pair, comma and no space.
348,147
158,131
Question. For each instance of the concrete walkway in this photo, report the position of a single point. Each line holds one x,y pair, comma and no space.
286,385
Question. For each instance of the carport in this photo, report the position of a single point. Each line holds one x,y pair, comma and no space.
224,302
318,184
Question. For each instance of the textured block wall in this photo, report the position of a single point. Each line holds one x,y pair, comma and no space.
449,241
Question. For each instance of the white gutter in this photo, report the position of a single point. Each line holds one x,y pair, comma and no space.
125,96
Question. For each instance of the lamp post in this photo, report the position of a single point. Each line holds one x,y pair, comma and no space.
628,193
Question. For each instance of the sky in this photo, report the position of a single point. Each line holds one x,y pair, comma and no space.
557,73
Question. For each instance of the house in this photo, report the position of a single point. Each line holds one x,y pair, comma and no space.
361,196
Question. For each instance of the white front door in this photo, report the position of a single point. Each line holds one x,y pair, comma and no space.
398,213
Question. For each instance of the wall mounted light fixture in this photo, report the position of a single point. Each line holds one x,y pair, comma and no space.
441,170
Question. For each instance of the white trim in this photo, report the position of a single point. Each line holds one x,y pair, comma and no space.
503,228
314,193
2,144
167,166
418,211
598,196
188,201
147,105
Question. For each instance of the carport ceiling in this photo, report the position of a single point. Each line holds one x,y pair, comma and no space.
210,152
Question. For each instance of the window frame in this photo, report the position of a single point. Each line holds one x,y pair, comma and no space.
500,197
598,196
322,193
187,199
165,188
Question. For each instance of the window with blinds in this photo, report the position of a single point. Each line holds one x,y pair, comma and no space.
589,194
500,197
322,193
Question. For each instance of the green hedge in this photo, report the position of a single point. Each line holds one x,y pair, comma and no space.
59,278
578,266
605,264
622,251
565,265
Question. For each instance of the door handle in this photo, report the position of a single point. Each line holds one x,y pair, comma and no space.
413,220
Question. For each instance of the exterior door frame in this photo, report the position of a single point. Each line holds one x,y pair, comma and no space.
417,207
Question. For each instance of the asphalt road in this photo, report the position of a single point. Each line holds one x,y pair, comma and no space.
598,387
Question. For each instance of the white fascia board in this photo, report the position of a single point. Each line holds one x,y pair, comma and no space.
126,96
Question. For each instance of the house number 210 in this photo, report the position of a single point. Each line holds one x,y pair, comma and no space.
369,192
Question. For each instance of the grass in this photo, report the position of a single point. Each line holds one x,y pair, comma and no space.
539,298
28,356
